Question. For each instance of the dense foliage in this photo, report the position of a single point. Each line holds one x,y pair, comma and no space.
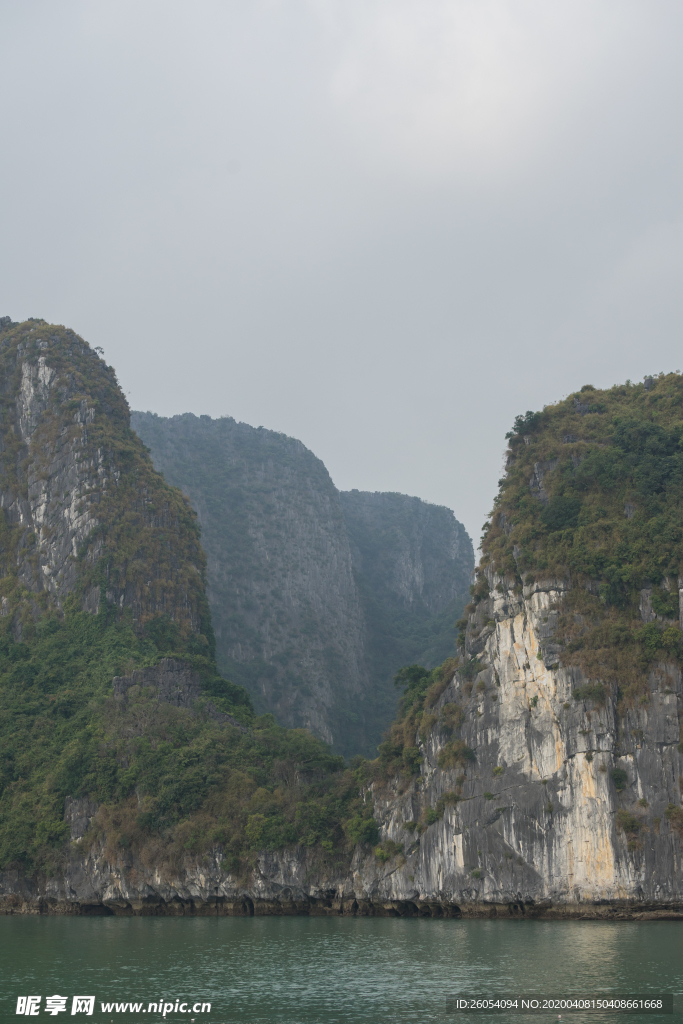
169,781
593,493
613,483
399,753
54,686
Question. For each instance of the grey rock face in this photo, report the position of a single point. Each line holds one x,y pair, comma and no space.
567,809
412,562
312,591
79,814
536,483
283,599
64,438
55,498
541,818
411,554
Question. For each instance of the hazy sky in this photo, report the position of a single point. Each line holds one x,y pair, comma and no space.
385,227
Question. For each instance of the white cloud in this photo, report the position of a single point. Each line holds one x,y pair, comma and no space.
468,87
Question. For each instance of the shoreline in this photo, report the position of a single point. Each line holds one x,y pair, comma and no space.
347,907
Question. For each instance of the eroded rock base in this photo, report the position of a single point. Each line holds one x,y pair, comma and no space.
247,907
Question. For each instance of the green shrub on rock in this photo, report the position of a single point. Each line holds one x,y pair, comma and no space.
631,827
387,849
455,754
674,815
619,777
452,717
431,815
594,692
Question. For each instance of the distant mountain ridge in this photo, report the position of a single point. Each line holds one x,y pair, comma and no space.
317,596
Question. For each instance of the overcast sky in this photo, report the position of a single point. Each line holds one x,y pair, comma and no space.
384,227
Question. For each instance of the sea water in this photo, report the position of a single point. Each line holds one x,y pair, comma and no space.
300,970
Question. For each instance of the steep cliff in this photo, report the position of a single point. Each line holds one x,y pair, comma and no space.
100,567
550,760
538,773
317,597
413,562
283,598
85,515
109,692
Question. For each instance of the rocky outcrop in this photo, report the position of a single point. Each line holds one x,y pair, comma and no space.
317,597
283,599
567,803
412,554
412,561
172,682
53,499
101,570
74,481
565,809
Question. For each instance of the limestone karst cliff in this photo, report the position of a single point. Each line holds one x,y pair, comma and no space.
514,806
109,691
539,774
85,515
100,567
550,759
317,597
412,562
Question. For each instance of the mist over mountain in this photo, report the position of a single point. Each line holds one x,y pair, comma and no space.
317,596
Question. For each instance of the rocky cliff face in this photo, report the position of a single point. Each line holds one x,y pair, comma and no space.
84,512
539,774
101,570
317,597
412,562
284,605
565,803
535,804
414,555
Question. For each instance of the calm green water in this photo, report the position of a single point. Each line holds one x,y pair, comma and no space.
346,970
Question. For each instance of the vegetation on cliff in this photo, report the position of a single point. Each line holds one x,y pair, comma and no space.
593,494
144,547
170,782
399,754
